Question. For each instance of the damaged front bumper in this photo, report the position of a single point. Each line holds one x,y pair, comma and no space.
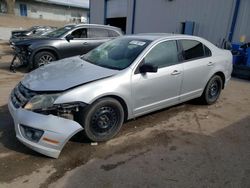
56,130
23,54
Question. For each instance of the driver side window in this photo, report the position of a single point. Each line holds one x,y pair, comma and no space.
80,33
163,55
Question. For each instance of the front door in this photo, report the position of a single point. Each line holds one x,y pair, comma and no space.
78,45
152,91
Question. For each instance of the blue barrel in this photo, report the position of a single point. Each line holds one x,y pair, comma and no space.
248,57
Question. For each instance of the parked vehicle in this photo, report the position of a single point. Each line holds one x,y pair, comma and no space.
35,30
117,81
67,41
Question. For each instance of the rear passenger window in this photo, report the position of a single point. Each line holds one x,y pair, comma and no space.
163,55
113,33
192,49
97,33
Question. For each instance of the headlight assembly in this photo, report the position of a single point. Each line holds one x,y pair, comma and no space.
41,102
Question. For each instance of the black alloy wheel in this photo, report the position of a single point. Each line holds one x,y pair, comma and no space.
212,91
43,58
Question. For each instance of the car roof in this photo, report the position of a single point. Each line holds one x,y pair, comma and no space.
93,25
158,36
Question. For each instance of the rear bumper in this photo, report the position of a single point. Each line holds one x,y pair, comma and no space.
55,128
227,80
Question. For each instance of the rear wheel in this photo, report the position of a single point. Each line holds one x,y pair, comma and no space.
212,90
43,58
103,119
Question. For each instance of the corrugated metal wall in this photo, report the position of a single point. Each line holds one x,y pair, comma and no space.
243,21
116,8
212,17
97,11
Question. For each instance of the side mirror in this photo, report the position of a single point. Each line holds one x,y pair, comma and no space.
148,68
69,37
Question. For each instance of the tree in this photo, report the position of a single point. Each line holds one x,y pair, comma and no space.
10,6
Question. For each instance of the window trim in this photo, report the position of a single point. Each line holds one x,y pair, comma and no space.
193,59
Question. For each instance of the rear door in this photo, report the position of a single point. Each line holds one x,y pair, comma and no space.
197,63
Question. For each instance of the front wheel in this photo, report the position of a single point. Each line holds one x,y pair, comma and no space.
103,119
212,90
43,58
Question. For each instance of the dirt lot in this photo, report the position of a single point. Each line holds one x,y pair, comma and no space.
187,145
25,22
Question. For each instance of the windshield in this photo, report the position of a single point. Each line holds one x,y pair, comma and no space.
117,54
59,32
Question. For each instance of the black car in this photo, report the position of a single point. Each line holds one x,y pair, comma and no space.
35,30
70,40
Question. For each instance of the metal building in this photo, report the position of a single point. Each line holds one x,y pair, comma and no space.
215,20
71,11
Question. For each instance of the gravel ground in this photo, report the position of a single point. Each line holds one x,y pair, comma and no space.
188,145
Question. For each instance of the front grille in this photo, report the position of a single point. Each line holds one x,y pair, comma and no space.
21,95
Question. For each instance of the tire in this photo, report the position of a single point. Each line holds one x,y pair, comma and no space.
103,119
212,90
43,58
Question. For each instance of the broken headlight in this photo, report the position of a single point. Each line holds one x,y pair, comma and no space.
41,102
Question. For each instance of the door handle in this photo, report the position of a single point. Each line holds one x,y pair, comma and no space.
85,43
176,72
210,64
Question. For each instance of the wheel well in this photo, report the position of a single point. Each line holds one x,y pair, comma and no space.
221,74
122,102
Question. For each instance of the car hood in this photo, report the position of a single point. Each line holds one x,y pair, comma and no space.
65,74
27,39
31,39
19,31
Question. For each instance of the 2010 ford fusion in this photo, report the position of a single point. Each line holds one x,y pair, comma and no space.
119,80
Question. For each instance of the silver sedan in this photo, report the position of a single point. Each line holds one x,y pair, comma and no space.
119,80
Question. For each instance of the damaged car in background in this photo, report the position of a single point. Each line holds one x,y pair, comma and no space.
34,31
122,79
70,40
